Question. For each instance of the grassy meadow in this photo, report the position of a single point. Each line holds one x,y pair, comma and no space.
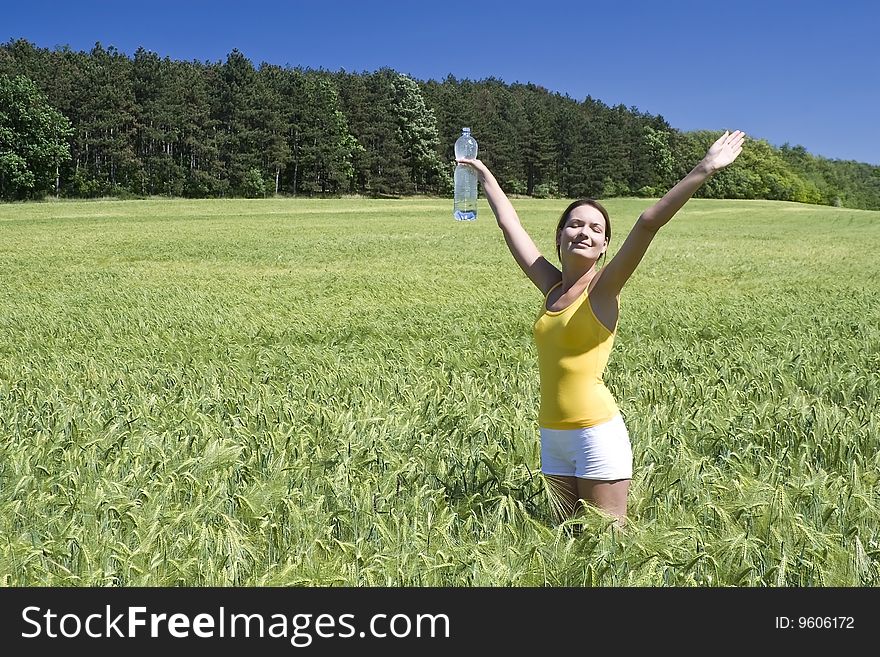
344,392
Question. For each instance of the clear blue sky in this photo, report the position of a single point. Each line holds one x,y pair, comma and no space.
803,72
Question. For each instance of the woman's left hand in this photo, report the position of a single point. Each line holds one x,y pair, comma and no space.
725,150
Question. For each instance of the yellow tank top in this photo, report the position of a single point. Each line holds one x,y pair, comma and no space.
573,348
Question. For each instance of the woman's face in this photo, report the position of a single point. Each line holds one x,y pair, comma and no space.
583,234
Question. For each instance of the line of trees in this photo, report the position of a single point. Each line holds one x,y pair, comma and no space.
114,125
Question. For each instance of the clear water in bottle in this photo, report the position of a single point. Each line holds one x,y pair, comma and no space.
464,206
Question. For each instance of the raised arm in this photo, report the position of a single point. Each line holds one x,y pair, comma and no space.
539,270
617,272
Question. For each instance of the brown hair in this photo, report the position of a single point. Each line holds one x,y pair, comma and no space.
576,204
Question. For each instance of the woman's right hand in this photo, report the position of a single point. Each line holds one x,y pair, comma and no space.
475,164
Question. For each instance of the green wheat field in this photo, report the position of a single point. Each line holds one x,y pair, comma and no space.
344,393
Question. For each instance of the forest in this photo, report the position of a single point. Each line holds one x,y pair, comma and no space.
102,123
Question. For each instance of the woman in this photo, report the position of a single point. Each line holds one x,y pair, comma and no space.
585,448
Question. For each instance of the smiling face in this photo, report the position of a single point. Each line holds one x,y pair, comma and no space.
583,233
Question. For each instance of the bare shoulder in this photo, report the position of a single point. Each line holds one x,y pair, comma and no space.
620,268
543,274
594,282
605,305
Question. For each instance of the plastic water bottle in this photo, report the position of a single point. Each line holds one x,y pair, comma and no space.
464,206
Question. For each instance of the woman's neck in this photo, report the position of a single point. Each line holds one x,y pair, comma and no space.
572,275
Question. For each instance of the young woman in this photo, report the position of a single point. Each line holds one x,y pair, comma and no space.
585,448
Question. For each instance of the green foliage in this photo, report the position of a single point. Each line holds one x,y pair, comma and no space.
418,132
759,171
32,139
545,190
213,393
253,185
611,188
836,182
321,146
536,146
153,126
16,180
380,161
658,147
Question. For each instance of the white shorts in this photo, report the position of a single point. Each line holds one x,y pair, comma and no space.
601,452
